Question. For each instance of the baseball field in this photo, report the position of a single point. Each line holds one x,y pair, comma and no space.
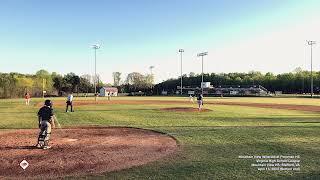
162,138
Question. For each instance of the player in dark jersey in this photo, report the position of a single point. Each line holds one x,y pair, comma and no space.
200,101
46,120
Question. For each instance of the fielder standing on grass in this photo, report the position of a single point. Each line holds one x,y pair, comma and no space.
69,102
109,96
27,98
46,120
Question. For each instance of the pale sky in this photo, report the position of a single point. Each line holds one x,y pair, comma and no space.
240,36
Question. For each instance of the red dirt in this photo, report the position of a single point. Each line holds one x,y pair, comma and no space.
185,109
127,102
80,151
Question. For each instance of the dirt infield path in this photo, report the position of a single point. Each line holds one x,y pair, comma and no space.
309,108
185,109
127,102
80,151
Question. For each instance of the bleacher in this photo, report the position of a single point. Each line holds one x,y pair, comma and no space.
230,90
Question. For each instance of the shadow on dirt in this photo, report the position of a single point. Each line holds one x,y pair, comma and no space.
18,147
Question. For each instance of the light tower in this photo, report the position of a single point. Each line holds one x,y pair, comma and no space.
201,55
311,43
181,51
95,47
151,67
151,76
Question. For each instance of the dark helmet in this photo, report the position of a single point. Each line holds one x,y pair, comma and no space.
48,102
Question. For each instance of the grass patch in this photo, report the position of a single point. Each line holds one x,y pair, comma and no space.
210,141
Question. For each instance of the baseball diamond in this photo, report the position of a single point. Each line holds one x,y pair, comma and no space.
82,151
96,142
160,89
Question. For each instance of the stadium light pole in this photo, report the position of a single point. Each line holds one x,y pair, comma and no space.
201,55
181,51
43,82
95,47
151,67
311,43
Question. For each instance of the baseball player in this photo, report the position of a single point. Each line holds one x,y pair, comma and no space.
27,98
109,96
46,120
200,101
191,98
69,102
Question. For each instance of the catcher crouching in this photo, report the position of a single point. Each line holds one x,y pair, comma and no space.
46,121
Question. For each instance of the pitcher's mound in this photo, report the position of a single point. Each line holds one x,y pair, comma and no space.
185,109
80,151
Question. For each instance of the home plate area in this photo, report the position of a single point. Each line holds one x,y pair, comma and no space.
80,151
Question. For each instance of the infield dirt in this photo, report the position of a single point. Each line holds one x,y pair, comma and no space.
310,108
80,151
185,109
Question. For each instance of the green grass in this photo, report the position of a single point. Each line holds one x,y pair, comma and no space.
210,142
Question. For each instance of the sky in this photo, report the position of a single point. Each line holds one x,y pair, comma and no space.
239,36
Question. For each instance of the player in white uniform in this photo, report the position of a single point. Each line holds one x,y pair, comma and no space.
191,98
69,102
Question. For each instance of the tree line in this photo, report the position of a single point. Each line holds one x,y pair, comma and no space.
13,85
298,81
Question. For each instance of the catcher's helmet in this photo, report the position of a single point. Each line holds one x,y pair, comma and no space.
48,102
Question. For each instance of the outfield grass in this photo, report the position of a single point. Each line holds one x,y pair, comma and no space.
210,142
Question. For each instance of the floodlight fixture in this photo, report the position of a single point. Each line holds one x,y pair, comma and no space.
202,54
311,42
96,46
